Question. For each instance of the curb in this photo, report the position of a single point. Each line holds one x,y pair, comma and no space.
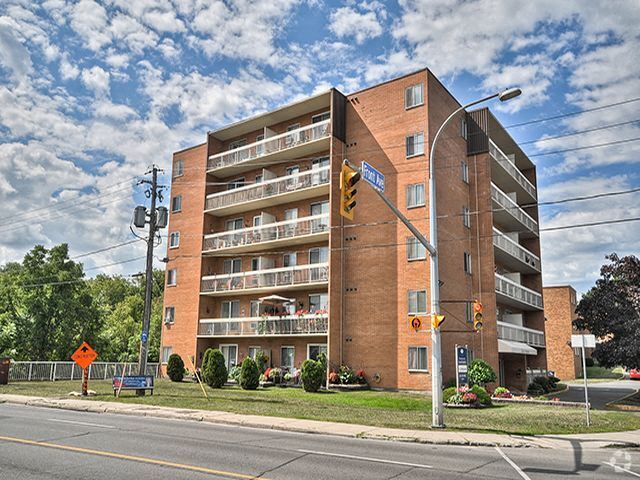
613,405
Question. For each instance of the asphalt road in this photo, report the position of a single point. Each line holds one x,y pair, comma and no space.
40,443
600,393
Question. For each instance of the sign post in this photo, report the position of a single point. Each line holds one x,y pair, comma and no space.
84,357
582,342
462,365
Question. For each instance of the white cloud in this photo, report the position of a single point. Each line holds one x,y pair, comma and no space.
13,55
96,79
362,26
68,71
89,19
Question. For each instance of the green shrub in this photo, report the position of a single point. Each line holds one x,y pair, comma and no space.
589,361
234,373
483,397
312,375
534,389
347,375
175,368
214,369
544,382
481,373
447,393
249,374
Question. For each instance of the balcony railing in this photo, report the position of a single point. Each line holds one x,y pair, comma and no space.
516,250
270,145
309,324
513,209
271,278
517,292
270,232
510,167
516,333
269,188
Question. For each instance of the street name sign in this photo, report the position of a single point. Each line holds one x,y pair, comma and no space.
84,355
586,341
373,177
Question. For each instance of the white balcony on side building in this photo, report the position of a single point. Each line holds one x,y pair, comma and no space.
311,324
290,188
517,333
505,173
513,294
290,278
301,142
289,232
513,255
510,215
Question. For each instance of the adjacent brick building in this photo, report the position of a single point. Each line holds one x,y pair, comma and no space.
260,259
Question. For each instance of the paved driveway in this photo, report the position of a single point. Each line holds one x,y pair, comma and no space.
600,393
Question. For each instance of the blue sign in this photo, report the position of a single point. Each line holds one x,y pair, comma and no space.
373,177
462,362
145,336
133,382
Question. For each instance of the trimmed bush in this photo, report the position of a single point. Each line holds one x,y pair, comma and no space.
214,369
447,393
175,368
544,382
249,374
534,389
589,361
312,375
483,397
481,373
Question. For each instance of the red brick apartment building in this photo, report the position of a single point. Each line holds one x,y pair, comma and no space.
260,258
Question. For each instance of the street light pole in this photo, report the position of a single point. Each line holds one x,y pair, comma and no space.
436,360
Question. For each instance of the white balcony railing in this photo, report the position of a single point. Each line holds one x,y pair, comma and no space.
510,167
516,250
275,277
270,145
270,232
513,208
308,324
516,333
269,188
517,292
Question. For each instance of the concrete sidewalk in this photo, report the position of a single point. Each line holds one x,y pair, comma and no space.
447,437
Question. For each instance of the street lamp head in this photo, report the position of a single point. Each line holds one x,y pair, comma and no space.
509,94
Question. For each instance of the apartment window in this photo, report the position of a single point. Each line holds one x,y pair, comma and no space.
169,314
414,96
287,357
318,301
178,168
292,137
418,359
254,351
174,240
464,171
230,309
468,312
320,208
415,144
464,133
259,178
289,259
176,204
293,170
230,354
417,302
237,183
466,217
259,146
321,117
232,265
255,264
254,307
172,277
234,224
315,349
319,255
166,353
415,249
237,144
415,195
467,263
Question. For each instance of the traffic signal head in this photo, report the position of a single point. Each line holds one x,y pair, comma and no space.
437,320
348,179
478,317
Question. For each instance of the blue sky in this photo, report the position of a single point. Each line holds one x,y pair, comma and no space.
94,92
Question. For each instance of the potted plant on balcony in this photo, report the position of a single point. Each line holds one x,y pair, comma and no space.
275,375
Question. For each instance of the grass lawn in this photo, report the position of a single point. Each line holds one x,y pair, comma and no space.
383,409
601,373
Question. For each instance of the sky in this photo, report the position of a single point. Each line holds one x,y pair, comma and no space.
94,92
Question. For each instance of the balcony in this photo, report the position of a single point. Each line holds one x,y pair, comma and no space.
290,278
286,233
505,173
513,294
513,255
516,333
303,141
291,188
265,326
510,215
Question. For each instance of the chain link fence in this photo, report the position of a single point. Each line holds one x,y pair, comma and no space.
51,371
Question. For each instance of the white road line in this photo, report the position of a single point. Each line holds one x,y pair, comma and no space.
84,424
367,459
618,467
513,464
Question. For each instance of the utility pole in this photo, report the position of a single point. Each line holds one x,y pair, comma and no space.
157,220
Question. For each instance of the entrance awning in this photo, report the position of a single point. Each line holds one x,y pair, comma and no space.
509,346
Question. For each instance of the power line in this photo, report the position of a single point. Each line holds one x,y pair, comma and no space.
579,132
105,249
606,144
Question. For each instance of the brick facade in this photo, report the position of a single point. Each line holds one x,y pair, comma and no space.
559,310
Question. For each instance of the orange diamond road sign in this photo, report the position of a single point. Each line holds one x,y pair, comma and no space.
84,356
